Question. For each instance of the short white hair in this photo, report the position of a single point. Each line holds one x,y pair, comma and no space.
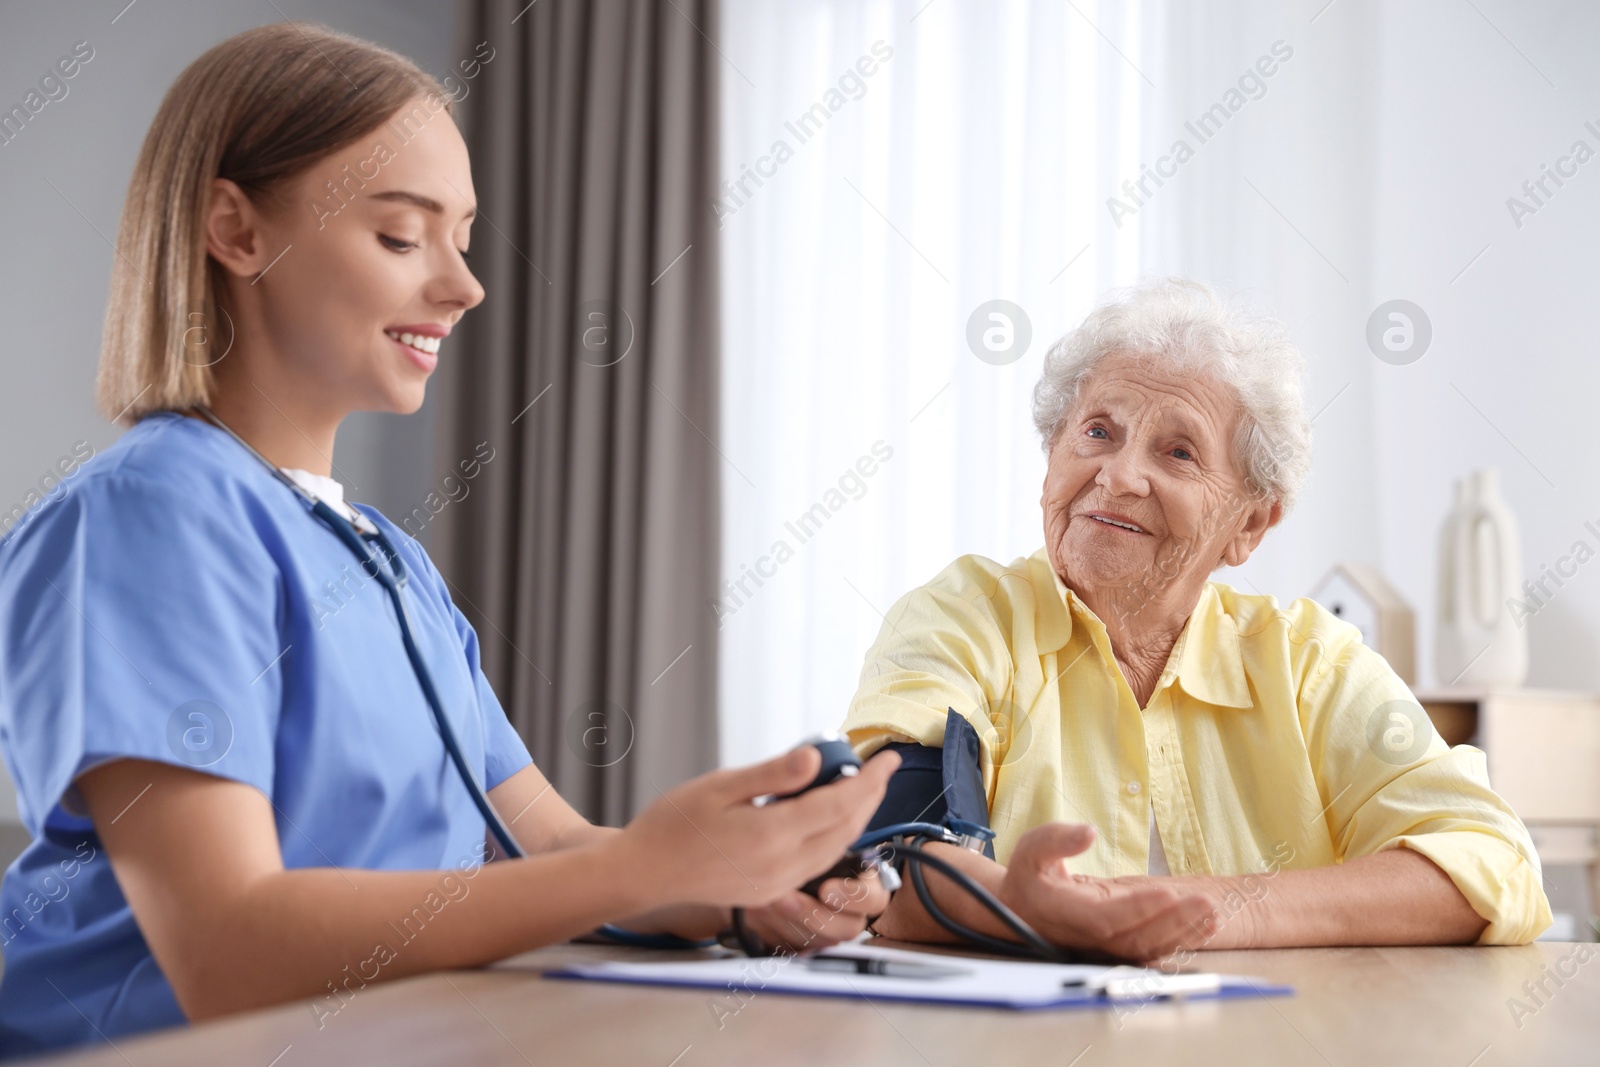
1184,326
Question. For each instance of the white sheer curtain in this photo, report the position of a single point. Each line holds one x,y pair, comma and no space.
1276,207
892,166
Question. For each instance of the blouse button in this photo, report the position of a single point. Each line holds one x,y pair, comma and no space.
1133,789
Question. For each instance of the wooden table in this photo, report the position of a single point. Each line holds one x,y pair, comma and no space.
1363,1007
1543,751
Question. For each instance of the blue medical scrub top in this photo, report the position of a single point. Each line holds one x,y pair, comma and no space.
180,604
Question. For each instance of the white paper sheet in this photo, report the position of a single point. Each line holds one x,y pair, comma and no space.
987,982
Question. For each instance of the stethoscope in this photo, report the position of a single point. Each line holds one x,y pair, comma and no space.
381,561
902,842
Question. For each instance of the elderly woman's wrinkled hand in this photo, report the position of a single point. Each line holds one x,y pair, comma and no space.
1134,919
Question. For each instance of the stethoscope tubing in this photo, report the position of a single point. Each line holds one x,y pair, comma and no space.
391,574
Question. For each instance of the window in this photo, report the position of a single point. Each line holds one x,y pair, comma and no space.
889,170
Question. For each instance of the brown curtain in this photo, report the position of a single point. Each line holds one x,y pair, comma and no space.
586,550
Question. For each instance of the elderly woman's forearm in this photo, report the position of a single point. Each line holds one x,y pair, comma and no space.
907,920
1396,897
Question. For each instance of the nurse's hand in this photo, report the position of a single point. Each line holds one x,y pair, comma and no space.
801,923
705,841
1136,919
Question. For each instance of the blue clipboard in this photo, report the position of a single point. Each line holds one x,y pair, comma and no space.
978,982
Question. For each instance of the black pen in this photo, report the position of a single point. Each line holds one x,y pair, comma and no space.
882,968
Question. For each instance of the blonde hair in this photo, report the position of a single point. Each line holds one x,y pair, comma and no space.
259,109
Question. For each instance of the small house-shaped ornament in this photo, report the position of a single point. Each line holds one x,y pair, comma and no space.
1360,595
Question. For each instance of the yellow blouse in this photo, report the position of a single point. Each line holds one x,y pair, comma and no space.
1274,738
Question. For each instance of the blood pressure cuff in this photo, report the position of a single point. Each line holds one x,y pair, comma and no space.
933,784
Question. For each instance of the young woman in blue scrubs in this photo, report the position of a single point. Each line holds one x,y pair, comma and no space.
238,798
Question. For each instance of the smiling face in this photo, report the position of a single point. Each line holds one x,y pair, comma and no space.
1143,496
372,274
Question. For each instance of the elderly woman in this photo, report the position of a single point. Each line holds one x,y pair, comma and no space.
1134,718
